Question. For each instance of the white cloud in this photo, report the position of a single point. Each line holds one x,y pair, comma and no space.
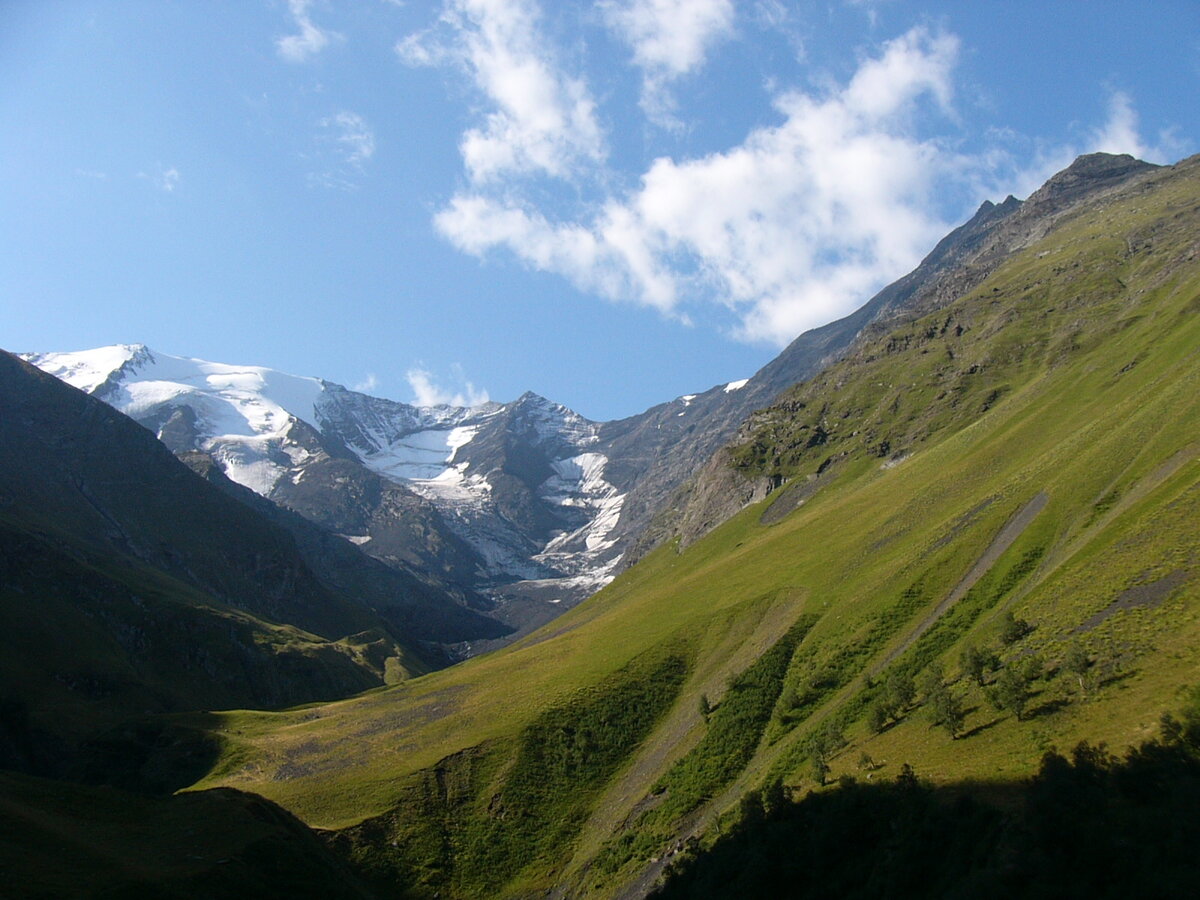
368,385
541,121
798,224
344,146
611,257
669,39
1120,134
426,392
309,40
165,179
793,227
871,7
671,36
353,137
421,48
771,14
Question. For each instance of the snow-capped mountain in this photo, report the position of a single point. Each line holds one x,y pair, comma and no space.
526,506
489,497
241,415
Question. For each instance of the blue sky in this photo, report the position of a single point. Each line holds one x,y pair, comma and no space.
608,203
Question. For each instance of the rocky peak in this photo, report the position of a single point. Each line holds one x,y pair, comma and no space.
1089,173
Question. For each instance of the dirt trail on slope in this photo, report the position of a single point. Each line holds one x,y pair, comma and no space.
1008,534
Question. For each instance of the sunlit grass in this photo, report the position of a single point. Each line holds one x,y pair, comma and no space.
1086,389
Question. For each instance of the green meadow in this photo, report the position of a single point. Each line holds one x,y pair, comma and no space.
1015,473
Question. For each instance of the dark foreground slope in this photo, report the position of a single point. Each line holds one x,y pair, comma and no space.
1019,570
69,841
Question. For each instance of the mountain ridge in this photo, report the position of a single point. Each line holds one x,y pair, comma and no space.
1041,515
958,264
523,509
389,477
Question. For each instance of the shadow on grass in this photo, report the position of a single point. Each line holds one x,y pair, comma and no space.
979,729
1090,826
1118,678
158,755
1048,708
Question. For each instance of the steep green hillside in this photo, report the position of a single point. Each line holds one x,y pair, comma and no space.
986,545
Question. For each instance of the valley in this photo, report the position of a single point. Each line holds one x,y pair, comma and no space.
930,544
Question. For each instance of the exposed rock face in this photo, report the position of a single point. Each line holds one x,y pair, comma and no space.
406,597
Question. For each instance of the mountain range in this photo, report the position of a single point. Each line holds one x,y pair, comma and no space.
933,541
520,509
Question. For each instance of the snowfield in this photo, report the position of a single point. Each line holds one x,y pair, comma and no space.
243,412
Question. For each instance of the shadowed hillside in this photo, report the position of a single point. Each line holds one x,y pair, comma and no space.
130,586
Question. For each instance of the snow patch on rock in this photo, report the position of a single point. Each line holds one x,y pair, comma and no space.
578,482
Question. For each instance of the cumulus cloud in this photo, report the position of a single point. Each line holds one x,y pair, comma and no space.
796,225
542,120
309,39
669,39
611,256
427,392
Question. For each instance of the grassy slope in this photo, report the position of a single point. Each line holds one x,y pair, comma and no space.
1086,388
